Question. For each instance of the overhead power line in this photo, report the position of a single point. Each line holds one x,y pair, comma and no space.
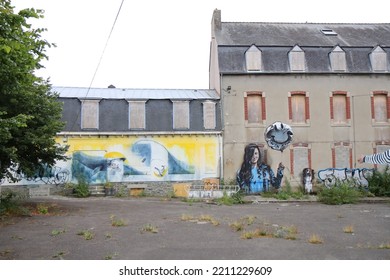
100,59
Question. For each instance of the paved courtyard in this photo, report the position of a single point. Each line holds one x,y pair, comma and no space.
165,229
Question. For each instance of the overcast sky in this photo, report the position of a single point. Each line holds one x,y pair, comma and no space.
162,43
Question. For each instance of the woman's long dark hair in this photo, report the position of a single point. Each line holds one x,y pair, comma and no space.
246,166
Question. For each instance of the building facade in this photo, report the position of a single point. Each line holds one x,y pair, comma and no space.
329,82
133,136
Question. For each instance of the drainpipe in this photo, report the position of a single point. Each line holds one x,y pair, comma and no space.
222,127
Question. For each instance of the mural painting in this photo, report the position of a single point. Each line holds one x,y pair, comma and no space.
132,159
254,176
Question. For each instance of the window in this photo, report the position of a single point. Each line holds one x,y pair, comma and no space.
378,58
328,32
296,59
298,102
90,114
254,103
136,114
342,155
253,59
340,112
300,158
209,121
181,114
337,59
380,106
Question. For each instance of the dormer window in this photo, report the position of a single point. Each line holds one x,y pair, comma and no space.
378,59
337,60
253,59
90,114
296,58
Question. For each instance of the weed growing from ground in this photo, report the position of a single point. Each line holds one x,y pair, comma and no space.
111,256
42,209
87,234
185,217
341,192
379,182
117,222
237,226
10,203
234,198
348,229
81,189
384,246
315,239
60,255
149,228
56,232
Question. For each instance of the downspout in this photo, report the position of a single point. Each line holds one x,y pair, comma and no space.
222,128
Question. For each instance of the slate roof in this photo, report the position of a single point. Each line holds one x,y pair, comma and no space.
303,34
134,94
275,40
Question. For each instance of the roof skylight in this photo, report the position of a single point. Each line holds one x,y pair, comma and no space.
328,32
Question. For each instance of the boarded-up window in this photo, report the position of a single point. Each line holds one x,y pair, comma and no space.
253,59
337,59
298,108
380,107
90,114
342,156
254,103
209,121
181,114
136,114
296,59
378,58
339,108
301,160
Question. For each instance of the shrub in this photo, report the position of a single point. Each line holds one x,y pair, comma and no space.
379,182
340,193
10,203
81,189
234,198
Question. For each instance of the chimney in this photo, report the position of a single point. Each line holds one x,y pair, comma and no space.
216,21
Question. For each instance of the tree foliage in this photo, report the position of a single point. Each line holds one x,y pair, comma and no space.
30,114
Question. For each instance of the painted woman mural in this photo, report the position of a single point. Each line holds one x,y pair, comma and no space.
254,176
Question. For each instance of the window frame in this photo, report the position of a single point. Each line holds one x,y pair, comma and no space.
338,60
143,125
373,120
306,116
178,119
253,59
85,112
293,152
297,59
378,60
348,149
347,108
247,107
209,115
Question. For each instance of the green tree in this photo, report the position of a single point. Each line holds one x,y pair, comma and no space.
30,114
